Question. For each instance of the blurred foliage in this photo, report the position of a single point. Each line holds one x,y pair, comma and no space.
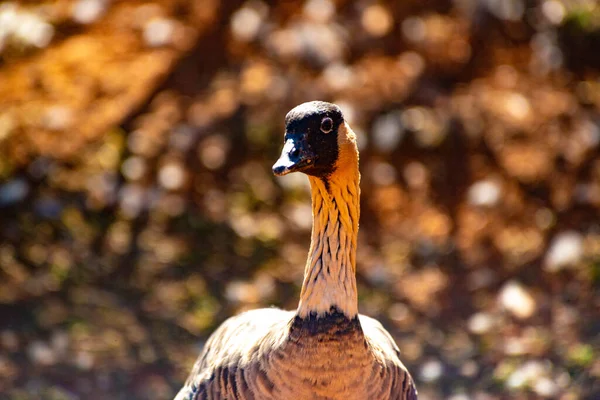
138,210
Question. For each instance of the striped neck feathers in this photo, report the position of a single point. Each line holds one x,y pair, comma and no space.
330,273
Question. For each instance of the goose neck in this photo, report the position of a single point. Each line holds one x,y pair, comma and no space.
330,275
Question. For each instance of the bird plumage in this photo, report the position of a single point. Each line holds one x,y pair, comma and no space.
324,350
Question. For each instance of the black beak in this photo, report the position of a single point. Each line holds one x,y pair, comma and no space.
295,156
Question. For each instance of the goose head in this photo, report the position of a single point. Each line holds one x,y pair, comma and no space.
317,141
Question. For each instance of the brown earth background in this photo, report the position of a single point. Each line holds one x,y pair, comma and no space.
138,210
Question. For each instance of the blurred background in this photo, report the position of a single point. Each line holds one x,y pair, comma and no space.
138,209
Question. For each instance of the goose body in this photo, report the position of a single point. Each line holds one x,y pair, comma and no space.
323,350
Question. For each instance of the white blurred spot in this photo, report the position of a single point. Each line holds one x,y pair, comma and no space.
485,193
133,200
387,132
526,374
566,250
545,387
134,168
213,152
431,370
294,182
554,11
338,76
158,32
315,42
40,353
361,138
589,134
517,106
414,118
84,360
246,22
8,18
516,299
480,323
460,396
511,10
398,312
171,176
88,11
58,118
244,225
265,285
32,30
348,110
241,292
547,53
319,10
60,342
301,215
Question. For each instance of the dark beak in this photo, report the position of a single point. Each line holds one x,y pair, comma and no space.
295,156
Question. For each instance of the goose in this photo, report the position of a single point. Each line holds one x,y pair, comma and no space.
323,350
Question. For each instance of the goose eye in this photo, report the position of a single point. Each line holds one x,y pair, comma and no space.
326,125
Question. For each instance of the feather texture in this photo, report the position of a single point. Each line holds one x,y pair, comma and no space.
270,354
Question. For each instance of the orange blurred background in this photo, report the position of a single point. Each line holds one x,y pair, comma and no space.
138,209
